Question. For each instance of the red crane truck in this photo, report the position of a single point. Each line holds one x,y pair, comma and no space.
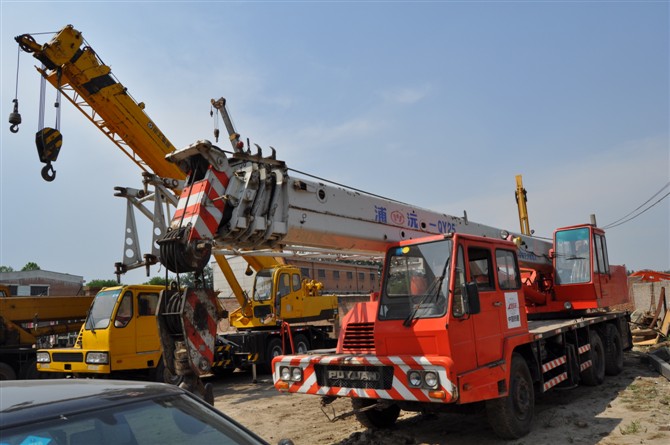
488,327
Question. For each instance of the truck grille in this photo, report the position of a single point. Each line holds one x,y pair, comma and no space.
359,337
354,376
67,357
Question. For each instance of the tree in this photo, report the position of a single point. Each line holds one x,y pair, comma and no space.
188,279
102,283
31,266
6,269
157,281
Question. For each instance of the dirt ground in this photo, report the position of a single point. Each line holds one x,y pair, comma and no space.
631,408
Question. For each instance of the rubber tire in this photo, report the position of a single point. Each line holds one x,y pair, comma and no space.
613,350
273,349
512,416
301,344
375,418
163,375
7,372
594,375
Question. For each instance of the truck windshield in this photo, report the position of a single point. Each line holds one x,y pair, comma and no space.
263,285
416,281
573,256
101,311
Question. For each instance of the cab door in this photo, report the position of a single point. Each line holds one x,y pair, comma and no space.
486,324
146,331
122,333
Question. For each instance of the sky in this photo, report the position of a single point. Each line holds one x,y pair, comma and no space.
437,104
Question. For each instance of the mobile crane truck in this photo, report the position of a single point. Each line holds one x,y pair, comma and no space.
23,320
473,314
119,338
72,67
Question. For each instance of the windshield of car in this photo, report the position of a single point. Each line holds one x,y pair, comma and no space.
101,311
263,285
164,420
416,281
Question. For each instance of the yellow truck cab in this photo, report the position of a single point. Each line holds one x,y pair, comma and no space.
120,335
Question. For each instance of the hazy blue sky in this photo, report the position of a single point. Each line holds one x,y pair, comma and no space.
438,104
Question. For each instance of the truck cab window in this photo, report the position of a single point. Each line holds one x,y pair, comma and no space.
263,285
296,282
508,272
146,304
283,287
418,279
601,255
481,272
458,305
101,311
573,256
125,311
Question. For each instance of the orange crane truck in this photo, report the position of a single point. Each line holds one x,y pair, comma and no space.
488,328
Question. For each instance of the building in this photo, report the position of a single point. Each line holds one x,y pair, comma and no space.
337,277
41,282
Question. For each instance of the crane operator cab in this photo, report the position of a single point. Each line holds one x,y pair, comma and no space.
583,275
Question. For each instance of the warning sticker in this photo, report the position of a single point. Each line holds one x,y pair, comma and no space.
512,310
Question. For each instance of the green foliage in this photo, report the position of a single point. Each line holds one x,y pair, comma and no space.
31,266
6,269
188,279
102,283
158,281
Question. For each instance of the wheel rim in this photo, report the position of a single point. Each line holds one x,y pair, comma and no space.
522,398
275,351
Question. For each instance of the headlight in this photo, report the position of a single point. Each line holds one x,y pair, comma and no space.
97,358
423,379
285,373
414,378
296,374
43,357
290,373
431,379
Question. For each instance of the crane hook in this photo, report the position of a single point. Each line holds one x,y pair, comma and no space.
48,172
15,117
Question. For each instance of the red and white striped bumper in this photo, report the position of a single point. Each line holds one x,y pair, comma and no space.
366,376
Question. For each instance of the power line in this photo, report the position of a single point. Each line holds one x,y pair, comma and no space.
621,221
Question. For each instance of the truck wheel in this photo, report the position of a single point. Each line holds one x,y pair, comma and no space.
375,418
274,349
511,416
613,350
594,375
301,344
163,375
7,372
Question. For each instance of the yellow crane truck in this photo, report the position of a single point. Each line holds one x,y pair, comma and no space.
23,320
119,338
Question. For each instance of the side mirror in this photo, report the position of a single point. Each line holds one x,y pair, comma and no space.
471,294
552,254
